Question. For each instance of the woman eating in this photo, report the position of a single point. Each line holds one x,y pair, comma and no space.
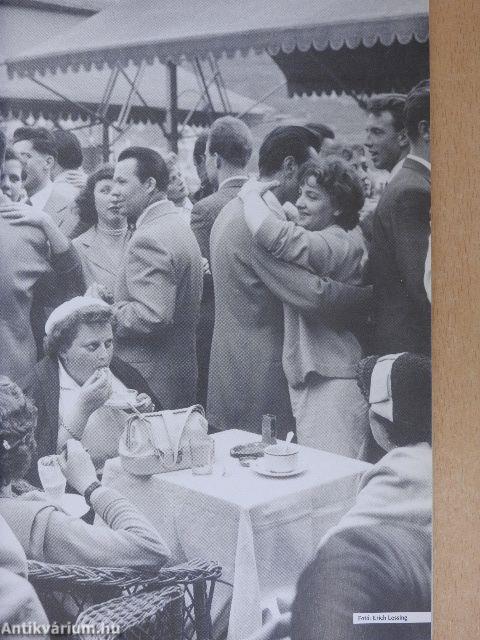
80,389
319,356
44,530
103,245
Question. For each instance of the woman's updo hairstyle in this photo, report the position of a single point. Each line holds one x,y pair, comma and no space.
18,418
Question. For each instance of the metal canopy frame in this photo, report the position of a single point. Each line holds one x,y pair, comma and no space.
120,124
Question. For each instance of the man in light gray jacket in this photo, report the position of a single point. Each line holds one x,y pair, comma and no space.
159,287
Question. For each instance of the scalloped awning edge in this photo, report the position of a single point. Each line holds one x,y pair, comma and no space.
334,37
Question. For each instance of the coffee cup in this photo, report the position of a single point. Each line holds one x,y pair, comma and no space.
281,458
51,476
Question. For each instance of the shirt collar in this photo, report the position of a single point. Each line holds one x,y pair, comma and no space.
273,202
40,198
397,167
142,217
227,180
425,163
380,399
187,205
67,383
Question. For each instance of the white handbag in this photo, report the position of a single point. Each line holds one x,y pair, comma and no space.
160,442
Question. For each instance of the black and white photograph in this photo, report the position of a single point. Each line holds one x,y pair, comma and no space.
215,320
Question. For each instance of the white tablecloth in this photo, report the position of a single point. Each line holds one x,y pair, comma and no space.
261,530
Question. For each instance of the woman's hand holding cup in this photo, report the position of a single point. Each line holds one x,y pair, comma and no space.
95,391
77,466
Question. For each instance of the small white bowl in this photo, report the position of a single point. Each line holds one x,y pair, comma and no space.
281,458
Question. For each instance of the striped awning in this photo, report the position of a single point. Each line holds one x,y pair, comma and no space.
149,30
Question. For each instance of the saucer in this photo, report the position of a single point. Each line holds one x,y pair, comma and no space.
259,467
120,402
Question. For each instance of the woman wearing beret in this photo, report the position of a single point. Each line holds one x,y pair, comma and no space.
72,385
44,530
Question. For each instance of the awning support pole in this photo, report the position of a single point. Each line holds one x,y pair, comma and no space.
105,142
172,72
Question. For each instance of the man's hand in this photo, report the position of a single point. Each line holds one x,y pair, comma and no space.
21,213
76,178
254,187
144,403
255,209
291,211
97,290
95,392
77,466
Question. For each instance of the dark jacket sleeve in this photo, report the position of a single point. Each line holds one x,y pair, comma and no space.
33,389
65,281
201,225
132,379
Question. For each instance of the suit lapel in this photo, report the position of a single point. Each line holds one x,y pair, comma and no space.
156,211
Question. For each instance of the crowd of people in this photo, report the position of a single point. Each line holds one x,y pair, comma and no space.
295,290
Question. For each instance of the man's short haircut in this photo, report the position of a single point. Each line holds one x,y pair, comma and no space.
417,108
42,140
342,184
393,103
69,150
322,131
150,164
232,140
200,147
282,142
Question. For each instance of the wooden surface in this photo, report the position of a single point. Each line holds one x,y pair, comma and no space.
455,74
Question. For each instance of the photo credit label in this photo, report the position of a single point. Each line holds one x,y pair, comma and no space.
393,617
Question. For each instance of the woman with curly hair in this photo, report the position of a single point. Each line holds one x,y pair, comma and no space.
72,385
319,356
103,245
44,530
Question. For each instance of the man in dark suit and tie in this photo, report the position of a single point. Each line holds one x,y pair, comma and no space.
401,229
228,150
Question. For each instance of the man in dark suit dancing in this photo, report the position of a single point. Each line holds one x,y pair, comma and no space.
401,229
228,150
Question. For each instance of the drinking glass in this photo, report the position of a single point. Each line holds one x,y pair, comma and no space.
202,451
51,476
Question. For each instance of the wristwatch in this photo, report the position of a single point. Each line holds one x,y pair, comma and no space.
89,490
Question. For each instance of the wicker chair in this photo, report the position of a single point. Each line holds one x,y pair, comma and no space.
141,616
131,594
